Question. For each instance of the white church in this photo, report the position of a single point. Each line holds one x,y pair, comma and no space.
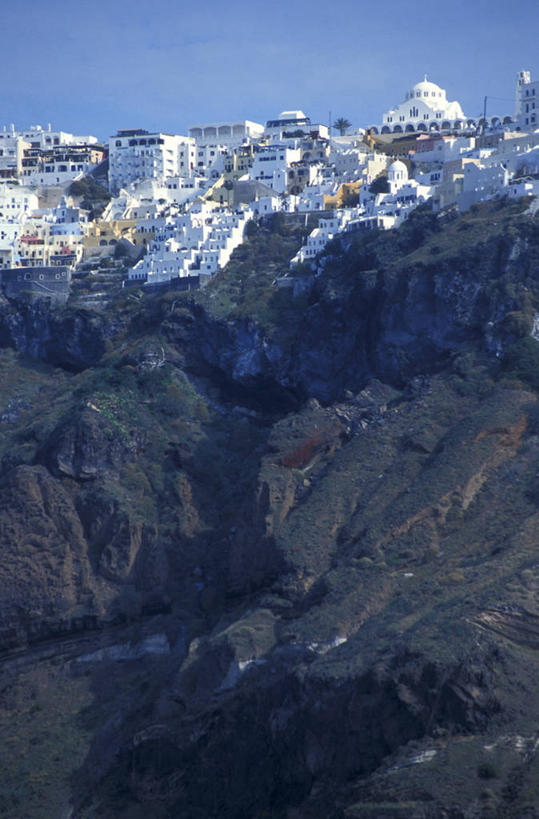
425,108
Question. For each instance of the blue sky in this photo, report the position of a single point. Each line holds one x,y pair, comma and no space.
164,65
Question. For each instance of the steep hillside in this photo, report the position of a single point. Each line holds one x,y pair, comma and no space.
265,555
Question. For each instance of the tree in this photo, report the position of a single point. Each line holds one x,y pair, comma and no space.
342,124
380,184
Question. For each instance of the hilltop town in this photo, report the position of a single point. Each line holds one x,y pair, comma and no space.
80,219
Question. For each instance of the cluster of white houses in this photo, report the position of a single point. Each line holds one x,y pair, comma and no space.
185,201
198,242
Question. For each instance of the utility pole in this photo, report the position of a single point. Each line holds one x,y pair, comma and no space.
329,123
484,116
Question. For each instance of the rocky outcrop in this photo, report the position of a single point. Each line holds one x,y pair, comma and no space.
89,444
70,338
403,318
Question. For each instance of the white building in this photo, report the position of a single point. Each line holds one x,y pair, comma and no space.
293,125
480,183
527,102
16,201
441,147
271,166
525,187
137,154
404,195
16,206
210,160
266,204
425,108
232,134
59,168
12,149
45,138
328,227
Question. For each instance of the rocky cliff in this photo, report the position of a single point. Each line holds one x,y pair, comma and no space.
279,553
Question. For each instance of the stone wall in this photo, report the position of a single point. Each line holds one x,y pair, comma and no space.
51,282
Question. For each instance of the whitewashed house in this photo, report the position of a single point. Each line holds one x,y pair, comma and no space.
271,166
440,148
480,182
15,201
230,134
138,154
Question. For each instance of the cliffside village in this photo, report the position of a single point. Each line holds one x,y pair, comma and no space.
163,209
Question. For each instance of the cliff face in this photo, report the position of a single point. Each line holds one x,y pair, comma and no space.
279,553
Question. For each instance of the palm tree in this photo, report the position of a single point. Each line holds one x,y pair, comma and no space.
342,124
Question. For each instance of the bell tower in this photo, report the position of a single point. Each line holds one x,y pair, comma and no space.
523,78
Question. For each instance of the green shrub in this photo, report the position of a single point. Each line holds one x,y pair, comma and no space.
487,771
251,229
379,185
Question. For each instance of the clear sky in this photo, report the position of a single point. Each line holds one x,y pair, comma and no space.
94,67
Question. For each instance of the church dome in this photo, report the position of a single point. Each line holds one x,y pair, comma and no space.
426,90
397,169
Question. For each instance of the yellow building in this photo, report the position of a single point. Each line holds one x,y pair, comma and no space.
452,181
101,236
346,197
240,160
